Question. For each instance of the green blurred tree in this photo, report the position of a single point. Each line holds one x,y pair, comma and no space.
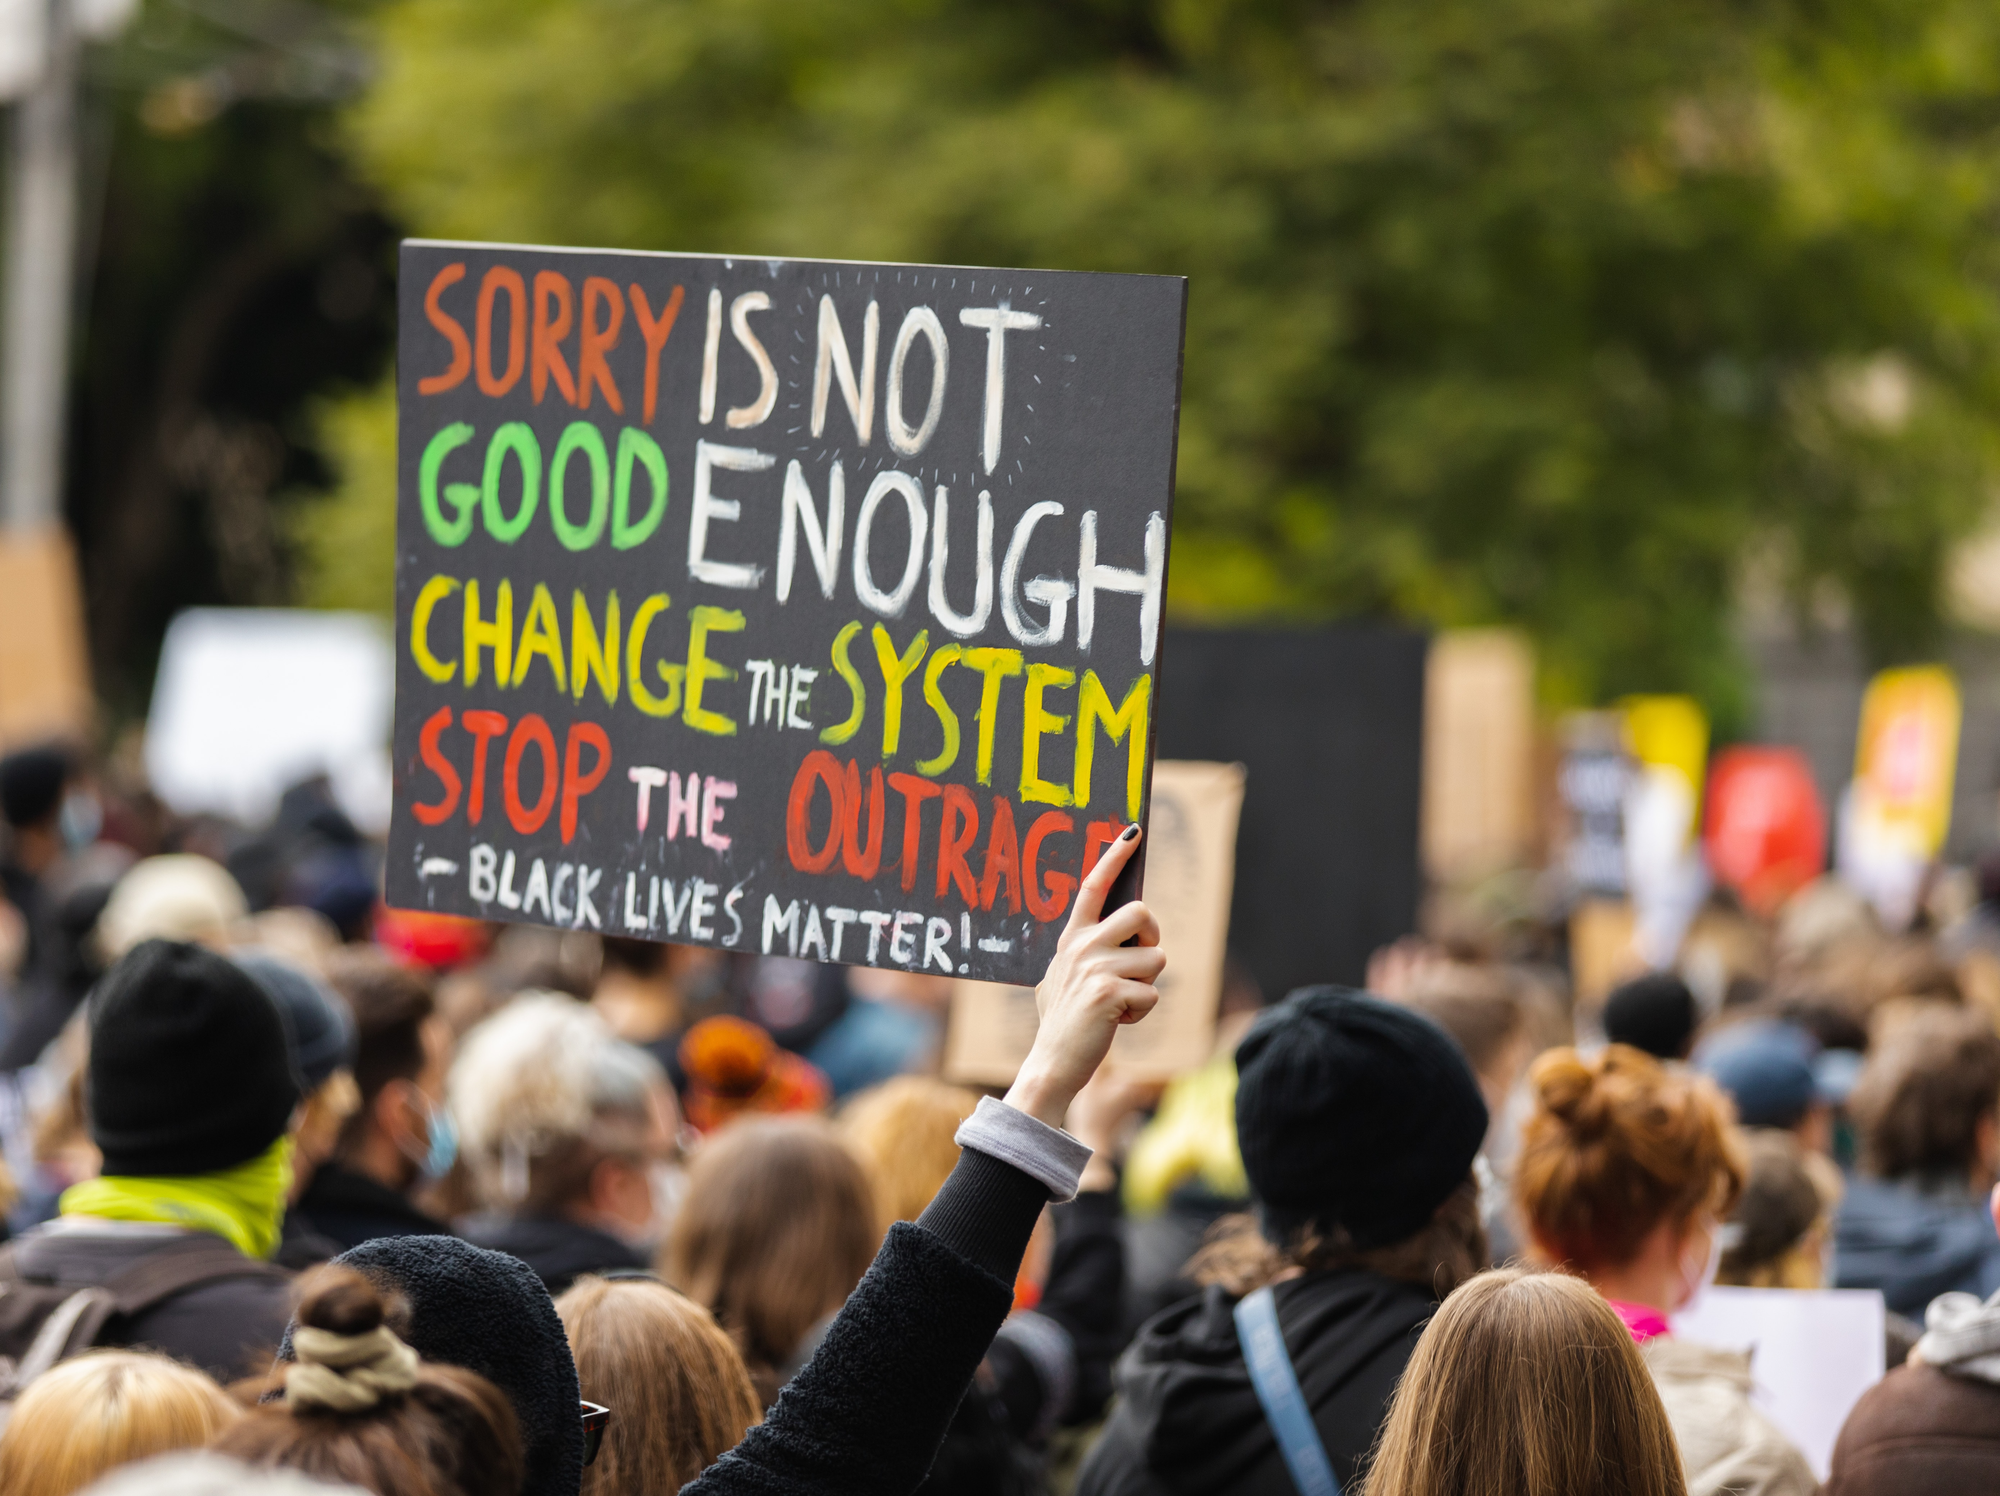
1554,312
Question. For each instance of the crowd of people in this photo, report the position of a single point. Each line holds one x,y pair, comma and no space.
304,1194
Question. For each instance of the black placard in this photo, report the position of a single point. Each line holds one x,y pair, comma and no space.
788,606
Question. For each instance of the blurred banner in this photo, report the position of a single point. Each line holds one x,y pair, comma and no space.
44,669
1189,879
1766,830
1479,754
1897,810
249,701
1667,737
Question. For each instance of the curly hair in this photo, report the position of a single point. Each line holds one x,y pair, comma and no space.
1617,1144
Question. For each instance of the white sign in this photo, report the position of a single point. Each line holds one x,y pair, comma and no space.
249,701
1813,1352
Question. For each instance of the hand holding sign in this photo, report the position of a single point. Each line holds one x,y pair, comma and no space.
1095,983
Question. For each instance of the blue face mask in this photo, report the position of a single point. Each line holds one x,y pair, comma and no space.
80,819
443,1150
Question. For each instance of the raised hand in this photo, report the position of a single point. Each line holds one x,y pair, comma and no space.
1095,983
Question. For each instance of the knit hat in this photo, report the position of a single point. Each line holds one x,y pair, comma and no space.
31,784
1353,1112
1655,1013
191,1066
320,1024
489,1313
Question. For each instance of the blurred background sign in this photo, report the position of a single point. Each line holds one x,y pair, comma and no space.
250,701
1766,828
1479,812
1190,873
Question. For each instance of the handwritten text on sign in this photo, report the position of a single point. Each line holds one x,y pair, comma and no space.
784,606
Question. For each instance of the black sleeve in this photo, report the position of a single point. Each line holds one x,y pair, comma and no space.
869,1410
1086,1295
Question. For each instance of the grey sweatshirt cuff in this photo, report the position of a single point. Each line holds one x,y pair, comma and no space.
1045,1154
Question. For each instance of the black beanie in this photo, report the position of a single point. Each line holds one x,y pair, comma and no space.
31,785
191,1068
1353,1112
1655,1013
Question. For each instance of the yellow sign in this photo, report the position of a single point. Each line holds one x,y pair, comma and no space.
1907,753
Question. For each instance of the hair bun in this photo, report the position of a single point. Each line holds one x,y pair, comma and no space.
340,1300
1567,1087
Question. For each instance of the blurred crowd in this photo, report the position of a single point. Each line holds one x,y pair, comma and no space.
518,1210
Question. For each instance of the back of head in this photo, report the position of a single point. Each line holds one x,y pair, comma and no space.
462,1306
321,1027
175,897
1616,1145
360,1406
208,1474
1930,1083
675,1383
776,1228
1357,1118
1526,1382
31,785
191,1066
1654,1013
1788,1195
1766,1070
904,1132
539,1091
101,1410
1475,1006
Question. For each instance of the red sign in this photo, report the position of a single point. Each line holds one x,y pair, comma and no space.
1766,833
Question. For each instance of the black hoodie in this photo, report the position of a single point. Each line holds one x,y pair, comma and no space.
1187,1421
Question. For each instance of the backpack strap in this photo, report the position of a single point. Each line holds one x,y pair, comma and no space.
1277,1388
196,1260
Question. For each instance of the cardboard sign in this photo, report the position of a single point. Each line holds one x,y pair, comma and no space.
1479,753
795,607
1190,880
1813,1352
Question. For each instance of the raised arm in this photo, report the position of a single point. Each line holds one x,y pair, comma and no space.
868,1412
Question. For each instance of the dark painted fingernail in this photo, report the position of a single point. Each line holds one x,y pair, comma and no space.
1130,832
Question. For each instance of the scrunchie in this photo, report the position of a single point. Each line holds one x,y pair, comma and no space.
348,1373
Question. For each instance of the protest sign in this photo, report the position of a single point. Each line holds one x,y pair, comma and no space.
1766,832
1896,811
1479,753
1189,881
785,606
1813,1352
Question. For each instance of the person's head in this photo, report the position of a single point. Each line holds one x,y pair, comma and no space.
459,1305
1654,1013
903,1133
1625,1164
777,1227
1484,1019
1778,1234
361,1406
191,1067
1926,1099
559,1117
1526,1382
101,1410
176,897
322,1035
675,1383
204,1473
403,1050
1766,1069
735,1069
1358,1121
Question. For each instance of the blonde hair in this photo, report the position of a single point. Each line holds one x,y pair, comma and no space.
1617,1144
1525,1382
676,1385
104,1409
903,1132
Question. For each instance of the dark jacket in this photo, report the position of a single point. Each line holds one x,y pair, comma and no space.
1915,1240
559,1251
1188,1421
350,1208
228,1327
1921,1431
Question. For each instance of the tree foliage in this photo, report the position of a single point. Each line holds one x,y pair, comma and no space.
1558,312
